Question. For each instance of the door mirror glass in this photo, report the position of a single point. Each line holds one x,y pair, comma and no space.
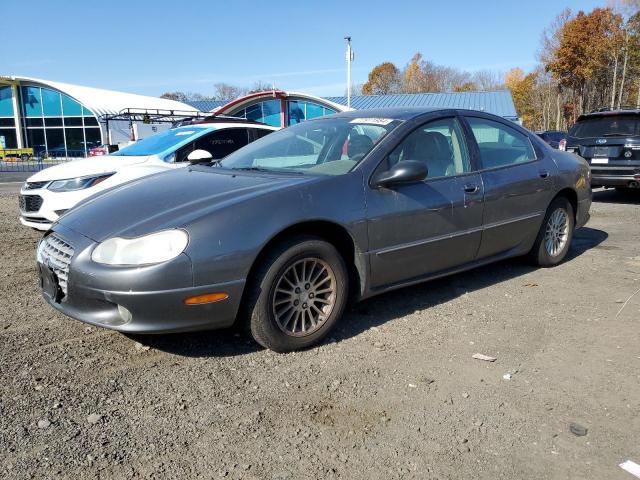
405,171
199,156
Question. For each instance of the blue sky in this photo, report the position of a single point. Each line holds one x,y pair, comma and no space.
150,47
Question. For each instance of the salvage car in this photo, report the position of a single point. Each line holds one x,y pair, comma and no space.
280,234
610,141
53,191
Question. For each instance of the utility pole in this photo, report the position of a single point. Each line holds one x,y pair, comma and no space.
349,60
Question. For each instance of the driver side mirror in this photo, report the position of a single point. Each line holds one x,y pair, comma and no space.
406,171
199,156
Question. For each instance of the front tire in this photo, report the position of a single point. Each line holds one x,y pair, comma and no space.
555,235
298,293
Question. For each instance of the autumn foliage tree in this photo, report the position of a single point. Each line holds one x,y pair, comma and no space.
586,60
383,79
522,89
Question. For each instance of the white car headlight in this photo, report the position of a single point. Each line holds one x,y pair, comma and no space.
154,248
79,183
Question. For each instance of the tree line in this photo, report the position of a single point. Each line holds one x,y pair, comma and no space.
586,61
421,76
221,91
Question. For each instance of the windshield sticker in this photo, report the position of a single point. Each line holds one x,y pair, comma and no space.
373,121
188,132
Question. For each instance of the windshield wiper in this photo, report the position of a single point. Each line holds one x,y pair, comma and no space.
618,135
268,170
251,169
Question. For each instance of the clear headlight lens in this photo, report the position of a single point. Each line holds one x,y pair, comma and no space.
154,248
78,183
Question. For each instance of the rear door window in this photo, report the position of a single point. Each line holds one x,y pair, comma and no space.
500,145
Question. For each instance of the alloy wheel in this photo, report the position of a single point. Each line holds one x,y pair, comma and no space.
556,232
304,297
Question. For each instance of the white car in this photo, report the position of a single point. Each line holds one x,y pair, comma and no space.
52,191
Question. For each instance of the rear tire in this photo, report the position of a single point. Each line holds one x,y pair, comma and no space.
555,235
297,294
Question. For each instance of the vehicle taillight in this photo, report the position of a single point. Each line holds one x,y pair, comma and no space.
562,145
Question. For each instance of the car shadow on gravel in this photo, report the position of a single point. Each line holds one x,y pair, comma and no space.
213,343
375,311
389,306
631,197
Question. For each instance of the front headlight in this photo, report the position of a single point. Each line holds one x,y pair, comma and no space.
79,183
154,248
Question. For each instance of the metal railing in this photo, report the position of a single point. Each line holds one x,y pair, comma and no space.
34,163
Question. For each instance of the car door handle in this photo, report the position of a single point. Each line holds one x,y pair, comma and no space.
471,188
543,173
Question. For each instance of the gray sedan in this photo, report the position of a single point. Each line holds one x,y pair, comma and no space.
278,235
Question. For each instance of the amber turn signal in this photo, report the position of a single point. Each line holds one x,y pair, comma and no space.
206,298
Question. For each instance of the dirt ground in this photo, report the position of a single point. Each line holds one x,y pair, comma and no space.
394,393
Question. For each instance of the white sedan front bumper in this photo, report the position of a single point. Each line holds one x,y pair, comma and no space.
40,208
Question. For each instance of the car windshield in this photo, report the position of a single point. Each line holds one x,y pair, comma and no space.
328,146
607,126
161,142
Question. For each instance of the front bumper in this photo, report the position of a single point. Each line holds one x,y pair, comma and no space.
152,295
48,206
38,223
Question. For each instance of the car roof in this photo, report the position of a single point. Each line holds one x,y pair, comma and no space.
222,125
395,113
402,113
609,112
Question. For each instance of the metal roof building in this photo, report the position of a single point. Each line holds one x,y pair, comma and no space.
498,102
207,105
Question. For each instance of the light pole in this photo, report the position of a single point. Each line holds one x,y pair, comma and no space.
349,60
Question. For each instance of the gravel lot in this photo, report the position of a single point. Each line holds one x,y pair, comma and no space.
395,393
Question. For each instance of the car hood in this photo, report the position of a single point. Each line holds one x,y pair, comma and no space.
86,166
170,200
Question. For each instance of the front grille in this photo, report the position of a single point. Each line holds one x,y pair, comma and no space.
30,203
34,185
56,253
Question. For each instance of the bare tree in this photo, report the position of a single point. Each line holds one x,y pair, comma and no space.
226,91
177,96
487,80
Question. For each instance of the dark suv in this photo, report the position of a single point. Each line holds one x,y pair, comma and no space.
610,141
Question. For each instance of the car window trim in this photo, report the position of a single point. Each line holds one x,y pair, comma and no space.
473,140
